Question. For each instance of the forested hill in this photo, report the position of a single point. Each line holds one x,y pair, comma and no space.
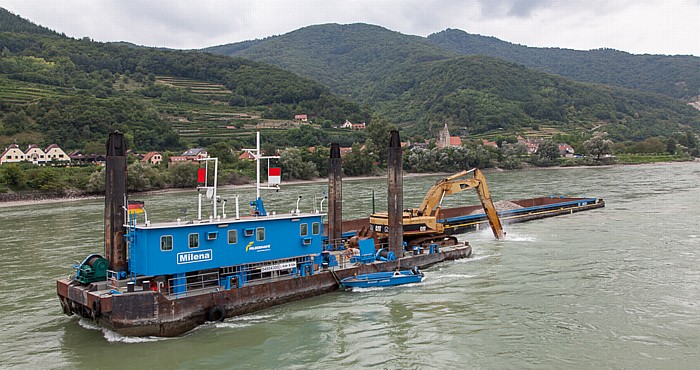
413,83
13,23
348,58
677,76
55,89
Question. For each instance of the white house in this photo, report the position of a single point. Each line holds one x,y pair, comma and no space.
152,158
35,154
54,153
12,154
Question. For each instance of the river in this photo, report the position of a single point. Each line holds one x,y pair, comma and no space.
617,287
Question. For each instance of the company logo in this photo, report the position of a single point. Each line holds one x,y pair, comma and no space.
257,248
195,256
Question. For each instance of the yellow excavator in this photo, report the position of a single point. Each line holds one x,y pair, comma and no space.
421,226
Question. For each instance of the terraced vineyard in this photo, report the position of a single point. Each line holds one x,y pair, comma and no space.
215,91
214,119
14,92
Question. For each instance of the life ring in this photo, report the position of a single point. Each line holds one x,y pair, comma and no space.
216,313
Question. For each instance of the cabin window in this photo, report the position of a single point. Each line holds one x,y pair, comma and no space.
233,236
193,240
303,229
315,228
260,234
166,243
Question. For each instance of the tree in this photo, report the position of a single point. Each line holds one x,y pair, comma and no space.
671,146
378,134
294,167
598,145
547,152
222,151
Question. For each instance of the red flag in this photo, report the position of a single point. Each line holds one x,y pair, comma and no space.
274,176
201,175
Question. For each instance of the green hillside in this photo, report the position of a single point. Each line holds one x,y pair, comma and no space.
348,58
71,92
410,81
677,76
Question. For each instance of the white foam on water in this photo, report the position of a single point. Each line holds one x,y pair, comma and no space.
87,324
114,337
450,276
475,258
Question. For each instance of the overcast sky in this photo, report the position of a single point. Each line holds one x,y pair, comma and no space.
636,26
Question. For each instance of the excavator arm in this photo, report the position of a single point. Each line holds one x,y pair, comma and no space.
457,183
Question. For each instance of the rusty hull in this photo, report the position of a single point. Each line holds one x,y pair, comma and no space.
150,313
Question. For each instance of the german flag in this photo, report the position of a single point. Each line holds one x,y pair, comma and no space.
136,206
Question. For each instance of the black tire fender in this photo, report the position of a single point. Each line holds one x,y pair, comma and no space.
216,313
96,308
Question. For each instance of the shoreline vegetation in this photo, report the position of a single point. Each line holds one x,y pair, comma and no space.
18,199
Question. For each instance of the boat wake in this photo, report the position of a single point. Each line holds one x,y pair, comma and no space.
114,337
244,321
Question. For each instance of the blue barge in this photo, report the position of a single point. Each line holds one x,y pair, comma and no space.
164,278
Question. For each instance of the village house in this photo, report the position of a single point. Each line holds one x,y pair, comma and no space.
565,150
195,154
152,158
12,154
246,156
353,126
489,143
531,145
178,159
54,153
78,157
301,117
35,154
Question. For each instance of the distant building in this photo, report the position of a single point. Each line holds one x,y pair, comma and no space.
301,117
353,126
12,154
152,158
531,144
195,154
489,143
54,153
35,154
246,156
178,159
565,150
78,157
445,140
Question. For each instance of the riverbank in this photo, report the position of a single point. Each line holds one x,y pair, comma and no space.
33,198
24,199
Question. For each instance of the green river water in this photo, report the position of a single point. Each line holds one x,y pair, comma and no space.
617,287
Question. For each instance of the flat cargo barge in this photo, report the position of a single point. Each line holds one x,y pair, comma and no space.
460,220
464,219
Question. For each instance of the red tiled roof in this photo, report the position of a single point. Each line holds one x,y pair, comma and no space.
246,155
